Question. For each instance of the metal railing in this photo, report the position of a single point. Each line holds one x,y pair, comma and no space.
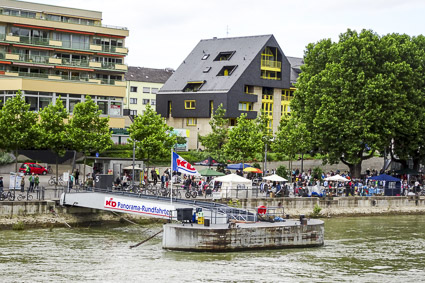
271,64
69,20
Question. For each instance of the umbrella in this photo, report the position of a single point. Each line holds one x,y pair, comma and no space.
338,178
275,178
238,166
210,172
252,169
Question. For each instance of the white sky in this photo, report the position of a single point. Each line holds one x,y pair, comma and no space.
164,32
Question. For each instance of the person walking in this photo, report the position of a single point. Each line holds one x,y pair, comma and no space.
76,176
32,183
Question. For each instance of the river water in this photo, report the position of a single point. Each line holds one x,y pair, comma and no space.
366,249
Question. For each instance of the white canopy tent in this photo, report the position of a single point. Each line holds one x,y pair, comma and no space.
337,178
234,186
275,178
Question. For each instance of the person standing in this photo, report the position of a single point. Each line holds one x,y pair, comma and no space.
23,185
164,179
1,184
37,182
76,176
32,182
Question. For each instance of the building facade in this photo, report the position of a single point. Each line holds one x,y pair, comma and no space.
50,51
143,85
245,74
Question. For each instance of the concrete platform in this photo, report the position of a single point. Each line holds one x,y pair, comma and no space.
244,236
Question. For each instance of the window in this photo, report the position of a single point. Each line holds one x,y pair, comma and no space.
133,89
191,122
249,89
245,106
153,101
133,112
133,100
145,101
146,90
193,86
205,57
207,69
224,56
227,71
189,104
154,90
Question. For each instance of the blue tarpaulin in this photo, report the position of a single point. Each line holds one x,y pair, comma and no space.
384,177
238,166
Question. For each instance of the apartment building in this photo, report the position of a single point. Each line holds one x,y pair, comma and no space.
49,51
245,74
142,86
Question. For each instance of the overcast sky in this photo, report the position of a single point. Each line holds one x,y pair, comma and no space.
164,32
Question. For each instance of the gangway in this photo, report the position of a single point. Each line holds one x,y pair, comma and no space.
152,206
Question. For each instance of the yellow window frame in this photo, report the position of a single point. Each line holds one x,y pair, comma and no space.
191,121
189,104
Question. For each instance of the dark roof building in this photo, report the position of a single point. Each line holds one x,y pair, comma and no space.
245,74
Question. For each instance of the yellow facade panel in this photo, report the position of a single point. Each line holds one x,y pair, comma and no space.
55,43
117,122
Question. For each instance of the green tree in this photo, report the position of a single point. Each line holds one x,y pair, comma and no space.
151,135
292,137
349,95
217,138
244,140
54,130
18,126
263,122
88,132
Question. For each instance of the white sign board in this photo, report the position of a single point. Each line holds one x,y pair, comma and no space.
137,206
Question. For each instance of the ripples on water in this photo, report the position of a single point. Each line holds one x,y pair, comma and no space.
368,249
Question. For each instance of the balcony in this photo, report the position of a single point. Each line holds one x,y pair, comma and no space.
48,61
69,20
46,42
269,65
65,78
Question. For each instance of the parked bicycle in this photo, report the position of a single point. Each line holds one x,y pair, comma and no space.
52,181
8,196
176,193
24,196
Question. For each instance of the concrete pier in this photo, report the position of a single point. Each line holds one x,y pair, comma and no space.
244,236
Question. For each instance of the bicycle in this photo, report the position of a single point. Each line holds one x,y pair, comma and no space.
176,193
23,197
52,181
8,195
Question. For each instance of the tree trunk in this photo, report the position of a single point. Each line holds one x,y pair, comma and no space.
16,161
57,172
84,178
355,170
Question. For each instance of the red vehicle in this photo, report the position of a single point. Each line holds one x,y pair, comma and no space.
34,168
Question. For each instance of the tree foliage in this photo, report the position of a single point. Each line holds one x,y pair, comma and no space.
351,95
152,135
244,140
217,138
18,126
88,131
53,129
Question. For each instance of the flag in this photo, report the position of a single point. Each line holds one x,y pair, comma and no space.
182,166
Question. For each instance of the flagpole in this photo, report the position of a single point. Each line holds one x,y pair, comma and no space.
171,176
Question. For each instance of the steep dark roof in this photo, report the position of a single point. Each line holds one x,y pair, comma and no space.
148,75
192,68
296,64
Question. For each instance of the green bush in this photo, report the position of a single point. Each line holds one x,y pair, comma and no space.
317,173
283,172
256,165
316,211
5,158
18,226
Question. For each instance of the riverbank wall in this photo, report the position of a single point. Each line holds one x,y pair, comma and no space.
40,214
341,206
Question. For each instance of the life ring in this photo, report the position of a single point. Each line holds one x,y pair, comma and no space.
261,209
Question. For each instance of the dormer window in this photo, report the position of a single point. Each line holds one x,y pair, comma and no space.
205,57
193,86
224,56
227,71
207,69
